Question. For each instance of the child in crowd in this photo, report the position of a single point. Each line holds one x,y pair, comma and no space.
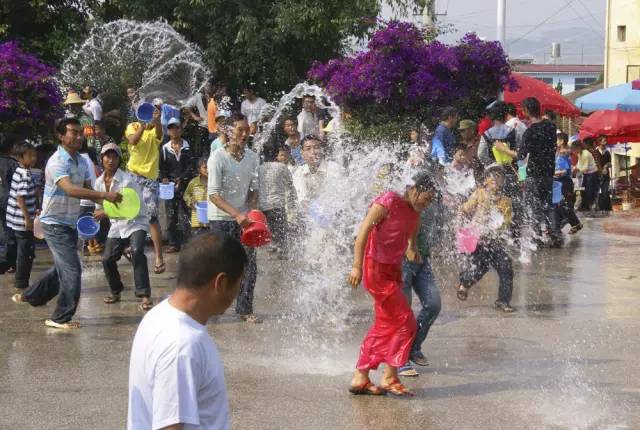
21,210
276,195
387,232
197,192
491,213
123,232
284,157
101,138
294,139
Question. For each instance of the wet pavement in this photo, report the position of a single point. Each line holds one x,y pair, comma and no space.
568,359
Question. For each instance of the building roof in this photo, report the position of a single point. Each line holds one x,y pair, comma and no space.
572,96
559,68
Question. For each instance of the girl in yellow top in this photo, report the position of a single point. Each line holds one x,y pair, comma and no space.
491,212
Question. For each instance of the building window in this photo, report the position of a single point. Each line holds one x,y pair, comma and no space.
548,81
633,72
583,82
622,33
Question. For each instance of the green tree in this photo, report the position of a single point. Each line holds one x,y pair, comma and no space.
271,43
45,28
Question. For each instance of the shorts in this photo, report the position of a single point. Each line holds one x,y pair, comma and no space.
150,196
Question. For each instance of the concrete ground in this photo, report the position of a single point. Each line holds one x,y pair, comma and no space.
568,359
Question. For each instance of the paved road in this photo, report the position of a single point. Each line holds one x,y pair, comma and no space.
567,359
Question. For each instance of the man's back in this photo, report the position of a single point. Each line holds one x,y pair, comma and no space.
539,142
175,374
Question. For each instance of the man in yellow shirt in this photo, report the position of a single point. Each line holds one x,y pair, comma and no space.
144,161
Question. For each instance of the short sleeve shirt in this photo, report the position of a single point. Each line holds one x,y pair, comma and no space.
144,158
21,186
58,207
175,374
389,239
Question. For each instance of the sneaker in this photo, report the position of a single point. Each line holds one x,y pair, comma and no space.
408,370
576,228
419,359
505,307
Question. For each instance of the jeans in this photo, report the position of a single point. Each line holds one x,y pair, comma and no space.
25,256
178,220
277,221
8,246
538,192
591,184
490,254
64,279
419,277
113,251
244,303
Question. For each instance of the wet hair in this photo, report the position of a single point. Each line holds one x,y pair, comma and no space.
21,148
510,109
564,137
270,152
61,126
233,118
283,147
290,118
249,87
309,138
588,142
576,145
448,112
495,169
206,256
202,161
309,96
532,105
497,112
550,114
423,182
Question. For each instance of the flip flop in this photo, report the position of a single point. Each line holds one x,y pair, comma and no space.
397,389
71,325
112,298
145,306
462,293
367,388
127,255
251,319
159,268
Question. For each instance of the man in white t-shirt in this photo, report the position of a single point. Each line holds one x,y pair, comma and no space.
251,108
176,377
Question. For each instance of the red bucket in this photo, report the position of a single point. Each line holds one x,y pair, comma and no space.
257,233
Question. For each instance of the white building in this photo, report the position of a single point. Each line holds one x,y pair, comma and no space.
573,76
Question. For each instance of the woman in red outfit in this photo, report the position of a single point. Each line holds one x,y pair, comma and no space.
387,232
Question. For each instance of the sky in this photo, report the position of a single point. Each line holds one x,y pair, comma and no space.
532,25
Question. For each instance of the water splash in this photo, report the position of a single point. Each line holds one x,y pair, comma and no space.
151,56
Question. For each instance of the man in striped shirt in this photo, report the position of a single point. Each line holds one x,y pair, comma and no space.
21,209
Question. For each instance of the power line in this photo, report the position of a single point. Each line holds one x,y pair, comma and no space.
566,5
585,21
589,12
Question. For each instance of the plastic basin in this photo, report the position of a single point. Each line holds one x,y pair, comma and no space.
128,208
87,227
144,112
467,239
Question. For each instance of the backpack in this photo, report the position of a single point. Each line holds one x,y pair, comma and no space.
510,140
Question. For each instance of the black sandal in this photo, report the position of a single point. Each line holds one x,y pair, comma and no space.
112,298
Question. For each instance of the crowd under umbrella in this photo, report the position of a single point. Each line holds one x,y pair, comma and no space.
623,97
617,125
549,98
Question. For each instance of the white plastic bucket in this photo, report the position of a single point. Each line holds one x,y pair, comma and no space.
167,190
201,209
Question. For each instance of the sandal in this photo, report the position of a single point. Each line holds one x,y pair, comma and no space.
159,268
65,326
462,293
145,306
367,388
11,270
112,298
251,319
505,307
18,299
172,250
397,389
127,254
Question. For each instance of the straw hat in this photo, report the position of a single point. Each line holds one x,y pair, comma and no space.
73,99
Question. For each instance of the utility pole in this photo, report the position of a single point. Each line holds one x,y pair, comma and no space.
501,24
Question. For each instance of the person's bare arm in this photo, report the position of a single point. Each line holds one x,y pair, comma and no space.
376,214
134,138
222,204
86,193
413,254
22,204
158,124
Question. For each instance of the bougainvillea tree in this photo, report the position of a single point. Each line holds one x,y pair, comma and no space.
403,76
30,100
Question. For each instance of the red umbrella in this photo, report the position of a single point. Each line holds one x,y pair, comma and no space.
549,98
617,125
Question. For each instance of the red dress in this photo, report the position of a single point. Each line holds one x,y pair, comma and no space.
390,338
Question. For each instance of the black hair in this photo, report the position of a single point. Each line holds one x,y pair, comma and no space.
564,137
233,118
510,109
206,256
308,138
532,105
202,161
309,96
61,126
497,112
270,152
284,147
290,118
250,86
576,145
551,115
448,112
21,148
7,141
423,181
495,169
588,141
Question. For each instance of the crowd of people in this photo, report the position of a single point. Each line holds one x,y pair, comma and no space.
495,176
